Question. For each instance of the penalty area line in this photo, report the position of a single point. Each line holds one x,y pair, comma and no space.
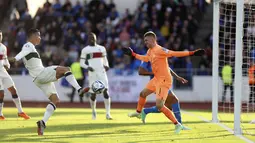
219,124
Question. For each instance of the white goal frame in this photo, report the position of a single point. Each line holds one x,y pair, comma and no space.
238,62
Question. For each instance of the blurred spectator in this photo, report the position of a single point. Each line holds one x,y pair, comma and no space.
47,4
57,5
14,15
227,78
21,5
25,15
252,82
165,29
21,37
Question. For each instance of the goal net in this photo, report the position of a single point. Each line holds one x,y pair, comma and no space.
234,65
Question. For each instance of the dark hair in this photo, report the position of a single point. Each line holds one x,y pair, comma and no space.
31,32
150,33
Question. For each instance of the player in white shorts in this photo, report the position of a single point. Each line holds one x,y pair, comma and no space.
94,59
6,82
44,77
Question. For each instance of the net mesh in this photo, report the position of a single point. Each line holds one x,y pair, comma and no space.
227,33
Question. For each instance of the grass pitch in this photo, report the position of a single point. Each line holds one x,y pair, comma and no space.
75,125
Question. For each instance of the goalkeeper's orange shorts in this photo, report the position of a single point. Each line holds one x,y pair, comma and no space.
161,86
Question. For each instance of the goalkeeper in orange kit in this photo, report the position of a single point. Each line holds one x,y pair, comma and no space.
162,80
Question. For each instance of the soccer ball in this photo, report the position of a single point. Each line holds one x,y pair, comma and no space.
98,87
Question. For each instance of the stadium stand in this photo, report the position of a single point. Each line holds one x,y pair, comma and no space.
64,29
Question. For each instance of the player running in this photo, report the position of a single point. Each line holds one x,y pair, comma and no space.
7,82
94,59
162,80
171,103
44,77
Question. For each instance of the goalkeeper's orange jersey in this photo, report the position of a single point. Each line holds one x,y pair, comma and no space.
159,63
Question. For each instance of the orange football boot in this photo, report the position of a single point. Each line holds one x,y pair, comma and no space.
2,117
24,115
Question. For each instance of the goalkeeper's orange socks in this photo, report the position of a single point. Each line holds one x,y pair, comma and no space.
168,113
140,104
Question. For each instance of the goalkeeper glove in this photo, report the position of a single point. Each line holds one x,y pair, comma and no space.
128,51
198,52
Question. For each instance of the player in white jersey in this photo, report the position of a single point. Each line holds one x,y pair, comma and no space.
6,82
94,59
44,77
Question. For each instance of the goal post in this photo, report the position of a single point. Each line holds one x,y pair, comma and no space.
215,72
233,13
238,66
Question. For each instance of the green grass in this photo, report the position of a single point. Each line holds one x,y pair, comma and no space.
228,120
75,125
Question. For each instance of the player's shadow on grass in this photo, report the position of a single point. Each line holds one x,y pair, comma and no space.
195,122
175,138
48,137
70,127
71,113
226,121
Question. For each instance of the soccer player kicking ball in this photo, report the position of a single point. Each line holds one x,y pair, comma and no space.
7,82
44,77
162,80
94,59
172,101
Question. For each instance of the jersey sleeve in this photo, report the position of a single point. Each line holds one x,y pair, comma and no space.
26,49
144,58
169,53
83,59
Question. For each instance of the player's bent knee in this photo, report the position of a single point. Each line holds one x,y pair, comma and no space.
63,70
67,69
13,90
143,94
1,96
93,96
54,99
159,104
106,95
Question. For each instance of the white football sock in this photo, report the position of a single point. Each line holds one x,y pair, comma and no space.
49,111
71,79
107,104
1,108
93,105
17,104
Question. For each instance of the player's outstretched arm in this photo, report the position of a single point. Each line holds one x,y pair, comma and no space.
130,52
169,53
177,77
